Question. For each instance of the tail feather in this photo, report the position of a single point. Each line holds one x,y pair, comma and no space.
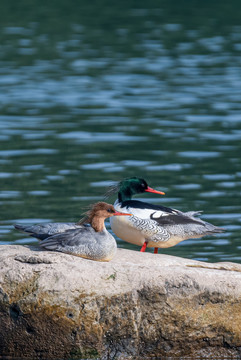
28,230
215,230
20,227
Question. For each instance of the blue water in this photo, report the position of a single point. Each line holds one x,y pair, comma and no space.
90,96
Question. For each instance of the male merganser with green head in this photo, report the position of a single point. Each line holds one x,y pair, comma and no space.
154,225
88,238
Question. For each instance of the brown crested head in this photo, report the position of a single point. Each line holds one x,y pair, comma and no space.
98,213
102,210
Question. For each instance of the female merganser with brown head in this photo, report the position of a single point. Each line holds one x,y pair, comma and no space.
88,238
154,225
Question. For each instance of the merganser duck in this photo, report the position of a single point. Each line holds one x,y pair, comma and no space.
88,238
154,225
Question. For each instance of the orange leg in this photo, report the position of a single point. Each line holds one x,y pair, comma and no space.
155,250
143,249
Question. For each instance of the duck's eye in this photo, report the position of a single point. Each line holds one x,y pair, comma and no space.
110,210
143,185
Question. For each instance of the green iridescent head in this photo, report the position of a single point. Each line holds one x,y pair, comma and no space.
132,186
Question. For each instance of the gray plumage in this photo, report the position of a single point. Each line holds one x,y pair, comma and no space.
84,242
88,238
42,231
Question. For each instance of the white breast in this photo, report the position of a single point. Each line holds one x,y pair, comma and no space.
124,229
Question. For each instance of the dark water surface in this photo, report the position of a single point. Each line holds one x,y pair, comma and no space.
92,92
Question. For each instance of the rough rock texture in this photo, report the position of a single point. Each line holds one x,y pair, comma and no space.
57,306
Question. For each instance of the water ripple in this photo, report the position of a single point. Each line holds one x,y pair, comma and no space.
169,167
87,137
199,154
83,107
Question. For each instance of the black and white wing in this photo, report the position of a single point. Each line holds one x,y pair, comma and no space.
161,221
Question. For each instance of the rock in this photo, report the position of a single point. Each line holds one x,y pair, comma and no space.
58,306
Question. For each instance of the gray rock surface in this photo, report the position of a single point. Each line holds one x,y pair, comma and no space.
58,306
